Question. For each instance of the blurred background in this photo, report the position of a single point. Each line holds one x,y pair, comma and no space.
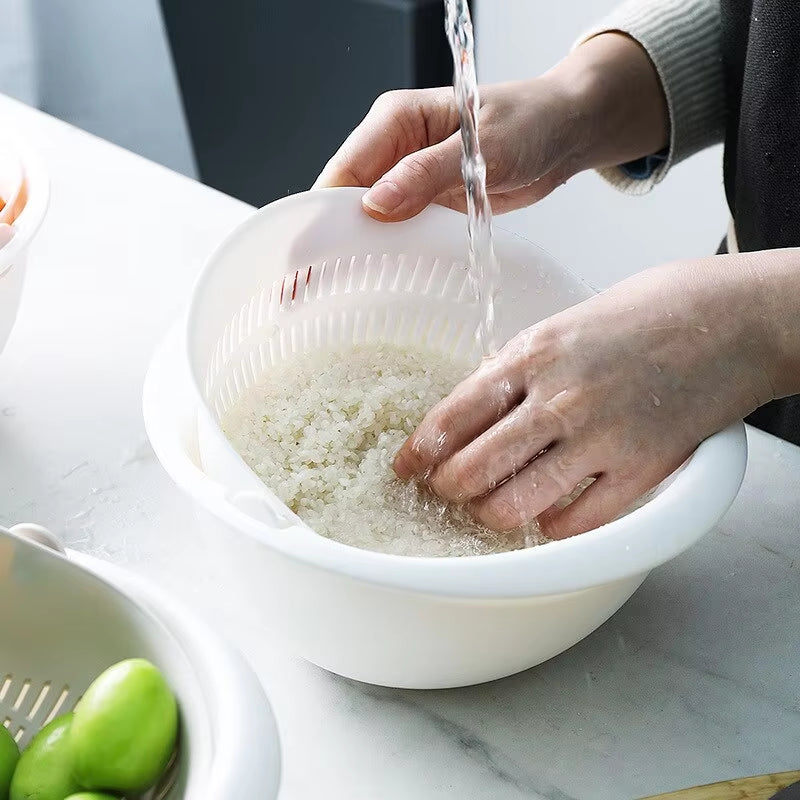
252,96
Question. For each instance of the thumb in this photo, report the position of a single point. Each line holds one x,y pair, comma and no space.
415,181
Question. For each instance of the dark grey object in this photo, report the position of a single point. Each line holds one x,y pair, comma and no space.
789,793
272,88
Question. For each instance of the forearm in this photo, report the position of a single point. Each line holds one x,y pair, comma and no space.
744,307
775,275
616,103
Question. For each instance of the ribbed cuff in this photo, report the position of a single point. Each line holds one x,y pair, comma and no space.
682,38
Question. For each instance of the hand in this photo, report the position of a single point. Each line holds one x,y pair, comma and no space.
601,106
408,149
621,387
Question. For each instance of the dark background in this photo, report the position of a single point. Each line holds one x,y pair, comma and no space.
271,88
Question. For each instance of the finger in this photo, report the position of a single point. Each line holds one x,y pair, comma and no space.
503,202
472,407
499,453
522,498
363,157
371,148
597,505
416,181
398,123
512,199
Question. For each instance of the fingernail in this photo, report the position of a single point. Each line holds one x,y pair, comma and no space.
402,468
383,197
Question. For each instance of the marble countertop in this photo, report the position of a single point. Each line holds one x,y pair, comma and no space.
696,679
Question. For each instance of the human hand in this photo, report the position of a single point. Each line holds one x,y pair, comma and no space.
621,387
601,106
408,149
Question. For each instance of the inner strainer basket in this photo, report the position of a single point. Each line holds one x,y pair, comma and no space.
313,271
339,301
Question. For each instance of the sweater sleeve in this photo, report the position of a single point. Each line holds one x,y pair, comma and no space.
682,38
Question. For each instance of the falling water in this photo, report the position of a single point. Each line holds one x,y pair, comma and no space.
484,270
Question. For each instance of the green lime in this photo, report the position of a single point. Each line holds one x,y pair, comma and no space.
44,771
125,729
92,796
9,755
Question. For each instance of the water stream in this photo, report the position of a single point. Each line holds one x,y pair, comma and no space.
483,266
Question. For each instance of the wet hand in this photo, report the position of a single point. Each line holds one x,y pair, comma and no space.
621,388
408,149
602,105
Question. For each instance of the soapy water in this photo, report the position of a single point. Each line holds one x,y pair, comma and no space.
484,270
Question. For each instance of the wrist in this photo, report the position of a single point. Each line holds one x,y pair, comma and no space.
716,309
613,101
775,309
748,302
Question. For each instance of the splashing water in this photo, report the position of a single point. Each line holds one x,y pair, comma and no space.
484,269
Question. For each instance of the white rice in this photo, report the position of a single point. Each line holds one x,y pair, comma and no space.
323,431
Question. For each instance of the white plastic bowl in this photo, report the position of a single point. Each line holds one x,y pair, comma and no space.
394,620
14,255
58,632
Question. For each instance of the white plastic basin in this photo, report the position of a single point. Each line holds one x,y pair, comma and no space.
402,621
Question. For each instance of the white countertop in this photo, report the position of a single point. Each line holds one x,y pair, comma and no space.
695,679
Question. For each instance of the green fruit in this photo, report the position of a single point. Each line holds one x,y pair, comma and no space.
44,771
9,755
125,729
92,796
